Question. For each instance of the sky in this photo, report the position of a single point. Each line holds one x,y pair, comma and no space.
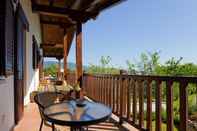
136,26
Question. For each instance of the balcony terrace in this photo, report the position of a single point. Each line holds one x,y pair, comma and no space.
138,102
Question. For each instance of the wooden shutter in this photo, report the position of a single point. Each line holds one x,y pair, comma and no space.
36,53
6,37
9,37
2,37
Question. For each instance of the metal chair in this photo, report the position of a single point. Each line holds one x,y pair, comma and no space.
45,99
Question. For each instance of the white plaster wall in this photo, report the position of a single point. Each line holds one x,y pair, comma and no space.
32,76
7,104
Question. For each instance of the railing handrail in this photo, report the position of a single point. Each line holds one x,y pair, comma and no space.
187,79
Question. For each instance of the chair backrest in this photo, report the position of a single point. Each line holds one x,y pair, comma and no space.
45,99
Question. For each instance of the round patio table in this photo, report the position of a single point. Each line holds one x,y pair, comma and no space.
69,114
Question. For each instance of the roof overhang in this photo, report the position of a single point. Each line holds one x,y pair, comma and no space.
59,18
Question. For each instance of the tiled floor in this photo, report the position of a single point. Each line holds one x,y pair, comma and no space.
31,122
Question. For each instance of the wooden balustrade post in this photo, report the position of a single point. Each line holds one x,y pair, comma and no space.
125,83
141,103
110,91
113,94
102,89
183,106
116,95
99,88
122,84
128,100
107,90
149,105
96,86
169,100
134,102
158,105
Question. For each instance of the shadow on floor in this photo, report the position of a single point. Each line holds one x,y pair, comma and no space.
31,122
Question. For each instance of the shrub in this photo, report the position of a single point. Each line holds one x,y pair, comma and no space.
164,116
176,119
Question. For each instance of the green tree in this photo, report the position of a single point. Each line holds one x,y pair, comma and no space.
131,67
105,61
104,67
51,70
147,64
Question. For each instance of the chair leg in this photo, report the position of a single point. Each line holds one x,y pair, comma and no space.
53,127
41,124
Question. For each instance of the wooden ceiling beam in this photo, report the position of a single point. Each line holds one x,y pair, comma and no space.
69,3
45,45
56,23
73,14
109,4
51,55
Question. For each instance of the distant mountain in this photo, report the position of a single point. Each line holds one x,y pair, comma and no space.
71,65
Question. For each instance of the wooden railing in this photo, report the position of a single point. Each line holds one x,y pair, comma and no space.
126,95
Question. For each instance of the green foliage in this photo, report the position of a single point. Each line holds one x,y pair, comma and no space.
104,67
105,61
146,65
192,104
192,107
175,68
164,116
131,67
51,70
149,64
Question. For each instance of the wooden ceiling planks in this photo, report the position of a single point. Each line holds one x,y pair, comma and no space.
56,49
53,52
52,34
56,20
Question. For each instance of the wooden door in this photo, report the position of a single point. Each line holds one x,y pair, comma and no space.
19,65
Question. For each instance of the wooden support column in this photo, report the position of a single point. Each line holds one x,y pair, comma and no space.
41,69
79,70
65,56
59,68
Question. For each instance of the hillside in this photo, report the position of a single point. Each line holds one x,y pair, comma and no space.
71,65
